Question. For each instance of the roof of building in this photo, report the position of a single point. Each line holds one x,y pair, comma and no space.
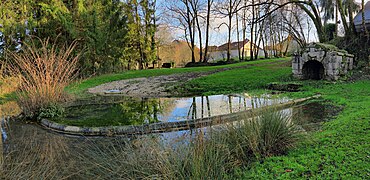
233,46
358,18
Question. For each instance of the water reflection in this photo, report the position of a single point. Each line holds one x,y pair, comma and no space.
136,111
28,147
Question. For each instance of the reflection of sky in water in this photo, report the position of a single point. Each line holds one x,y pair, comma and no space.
176,109
13,131
149,110
200,107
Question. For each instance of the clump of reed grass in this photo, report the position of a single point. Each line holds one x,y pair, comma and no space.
32,156
270,133
44,73
211,156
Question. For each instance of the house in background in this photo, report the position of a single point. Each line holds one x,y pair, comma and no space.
177,52
220,52
358,19
288,46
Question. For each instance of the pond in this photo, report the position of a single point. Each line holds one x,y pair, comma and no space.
24,147
119,111
122,110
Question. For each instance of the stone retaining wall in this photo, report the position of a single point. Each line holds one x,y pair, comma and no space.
164,126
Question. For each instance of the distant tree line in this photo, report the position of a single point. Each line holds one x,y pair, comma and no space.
265,22
113,35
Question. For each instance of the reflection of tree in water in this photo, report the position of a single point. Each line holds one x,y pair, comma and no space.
203,108
145,111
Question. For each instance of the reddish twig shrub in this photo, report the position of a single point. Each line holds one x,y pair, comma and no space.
44,73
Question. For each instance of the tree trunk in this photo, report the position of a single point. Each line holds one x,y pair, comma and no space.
351,23
238,37
190,28
194,5
316,19
363,17
252,29
209,4
343,16
244,24
229,35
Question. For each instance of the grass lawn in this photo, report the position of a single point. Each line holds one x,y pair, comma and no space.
254,78
80,88
340,151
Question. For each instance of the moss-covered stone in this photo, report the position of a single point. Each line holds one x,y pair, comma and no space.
327,47
289,87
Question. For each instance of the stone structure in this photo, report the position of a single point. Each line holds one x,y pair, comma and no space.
321,61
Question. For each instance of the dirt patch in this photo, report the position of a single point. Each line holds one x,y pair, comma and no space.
152,86
158,86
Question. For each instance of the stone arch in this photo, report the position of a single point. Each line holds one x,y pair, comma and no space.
313,70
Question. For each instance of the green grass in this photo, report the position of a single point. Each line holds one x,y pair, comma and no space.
80,88
340,151
239,80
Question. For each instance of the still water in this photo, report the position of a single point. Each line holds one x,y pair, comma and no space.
118,111
28,142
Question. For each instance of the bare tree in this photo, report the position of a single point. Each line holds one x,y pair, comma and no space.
227,9
180,11
209,7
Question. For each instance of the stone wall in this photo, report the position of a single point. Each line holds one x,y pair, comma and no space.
319,61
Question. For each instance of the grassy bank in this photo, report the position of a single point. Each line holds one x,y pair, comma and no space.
340,151
81,87
254,78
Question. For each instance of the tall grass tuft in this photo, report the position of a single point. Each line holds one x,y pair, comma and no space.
275,131
44,73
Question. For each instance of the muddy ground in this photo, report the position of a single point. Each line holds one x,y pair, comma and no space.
157,86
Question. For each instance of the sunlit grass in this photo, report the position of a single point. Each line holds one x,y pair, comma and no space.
79,88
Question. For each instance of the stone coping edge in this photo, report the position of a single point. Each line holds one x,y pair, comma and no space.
164,126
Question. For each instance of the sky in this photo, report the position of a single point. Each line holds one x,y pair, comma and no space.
219,36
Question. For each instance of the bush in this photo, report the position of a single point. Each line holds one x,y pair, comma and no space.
51,111
358,45
44,73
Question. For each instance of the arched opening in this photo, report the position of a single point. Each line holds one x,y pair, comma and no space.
313,70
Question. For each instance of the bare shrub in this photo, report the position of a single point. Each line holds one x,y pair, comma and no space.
44,73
